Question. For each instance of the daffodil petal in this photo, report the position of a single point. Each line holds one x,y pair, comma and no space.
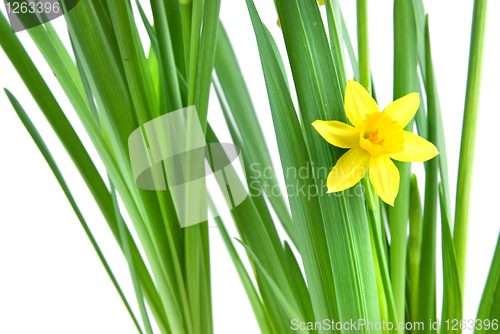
358,102
384,176
338,133
403,109
416,149
350,168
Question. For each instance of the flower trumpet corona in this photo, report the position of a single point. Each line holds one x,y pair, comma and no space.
375,138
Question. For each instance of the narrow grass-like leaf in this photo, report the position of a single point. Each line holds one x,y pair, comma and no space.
255,301
490,295
63,53
420,19
386,296
206,58
377,232
420,116
494,317
305,212
113,100
254,233
405,71
452,295
244,115
196,245
320,97
143,97
299,284
443,156
350,49
130,261
99,62
471,113
75,149
60,179
122,229
194,49
277,55
414,247
419,14
427,278
186,10
252,175
133,59
363,44
293,313
336,33
167,58
173,10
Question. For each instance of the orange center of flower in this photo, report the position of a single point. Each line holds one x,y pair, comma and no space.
375,139
381,135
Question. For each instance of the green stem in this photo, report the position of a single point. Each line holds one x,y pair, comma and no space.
130,261
464,183
405,70
427,275
172,89
414,246
363,45
387,305
186,7
335,30
197,15
492,285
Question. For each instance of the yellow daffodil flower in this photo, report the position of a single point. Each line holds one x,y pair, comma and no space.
375,138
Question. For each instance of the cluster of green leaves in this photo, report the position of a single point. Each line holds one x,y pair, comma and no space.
114,89
354,267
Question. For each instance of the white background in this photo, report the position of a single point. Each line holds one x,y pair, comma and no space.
51,281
